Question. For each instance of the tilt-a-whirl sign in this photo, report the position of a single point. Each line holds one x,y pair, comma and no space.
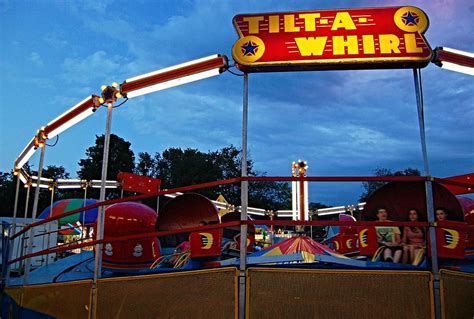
363,38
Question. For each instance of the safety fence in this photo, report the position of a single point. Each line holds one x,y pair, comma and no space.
457,291
270,293
193,294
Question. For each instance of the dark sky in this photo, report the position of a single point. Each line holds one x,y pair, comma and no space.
55,53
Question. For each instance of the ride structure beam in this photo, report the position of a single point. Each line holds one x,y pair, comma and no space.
244,194
173,76
429,192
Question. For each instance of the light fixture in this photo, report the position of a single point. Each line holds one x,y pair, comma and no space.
60,180
71,186
454,60
174,76
40,185
71,117
96,183
23,179
26,154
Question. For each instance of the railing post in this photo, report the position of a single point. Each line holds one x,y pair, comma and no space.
29,248
244,204
11,231
101,215
428,192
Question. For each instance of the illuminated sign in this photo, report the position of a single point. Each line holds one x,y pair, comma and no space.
332,39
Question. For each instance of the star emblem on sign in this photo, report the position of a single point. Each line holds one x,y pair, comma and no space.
249,48
410,18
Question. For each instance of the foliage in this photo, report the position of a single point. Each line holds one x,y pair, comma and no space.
121,159
8,187
370,187
176,167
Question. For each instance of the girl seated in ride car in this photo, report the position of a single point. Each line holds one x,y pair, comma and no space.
413,239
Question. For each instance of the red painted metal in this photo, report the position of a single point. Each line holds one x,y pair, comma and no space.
127,199
450,239
125,219
461,184
206,243
70,115
137,183
447,56
124,238
218,62
187,210
316,39
334,178
399,197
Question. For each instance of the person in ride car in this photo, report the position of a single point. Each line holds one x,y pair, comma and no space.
413,239
389,237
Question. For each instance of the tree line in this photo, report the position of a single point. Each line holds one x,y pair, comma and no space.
174,166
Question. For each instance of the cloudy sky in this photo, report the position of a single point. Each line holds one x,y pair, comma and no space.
55,53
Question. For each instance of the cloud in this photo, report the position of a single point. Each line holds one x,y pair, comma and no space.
35,58
55,40
97,66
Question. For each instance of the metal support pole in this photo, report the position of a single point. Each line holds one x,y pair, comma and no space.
49,224
294,201
101,215
244,202
31,235
15,206
301,200
83,213
21,243
27,199
428,191
158,202
12,231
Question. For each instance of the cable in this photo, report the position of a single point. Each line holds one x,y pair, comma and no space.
228,70
57,139
233,66
115,106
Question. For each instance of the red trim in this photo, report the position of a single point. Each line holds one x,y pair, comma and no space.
62,248
335,223
455,186
127,199
224,182
335,178
446,56
70,115
218,62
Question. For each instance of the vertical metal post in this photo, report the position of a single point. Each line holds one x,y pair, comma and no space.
15,206
31,235
27,198
294,200
244,202
21,243
12,231
301,199
101,215
49,224
158,201
428,191
83,213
